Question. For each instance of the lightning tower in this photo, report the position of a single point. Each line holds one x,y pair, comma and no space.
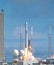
49,42
20,37
26,34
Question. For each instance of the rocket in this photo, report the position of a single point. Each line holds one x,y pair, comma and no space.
27,41
26,34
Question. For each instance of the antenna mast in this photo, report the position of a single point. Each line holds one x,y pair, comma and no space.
49,42
20,37
31,33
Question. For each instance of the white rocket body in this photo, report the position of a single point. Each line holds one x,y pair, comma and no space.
26,34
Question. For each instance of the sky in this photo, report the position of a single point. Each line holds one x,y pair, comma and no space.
38,13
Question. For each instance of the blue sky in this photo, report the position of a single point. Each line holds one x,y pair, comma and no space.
38,13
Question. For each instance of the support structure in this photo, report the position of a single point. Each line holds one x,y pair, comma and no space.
49,42
26,34
2,51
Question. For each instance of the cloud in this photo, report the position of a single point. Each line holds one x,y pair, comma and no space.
39,38
39,35
15,34
36,35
